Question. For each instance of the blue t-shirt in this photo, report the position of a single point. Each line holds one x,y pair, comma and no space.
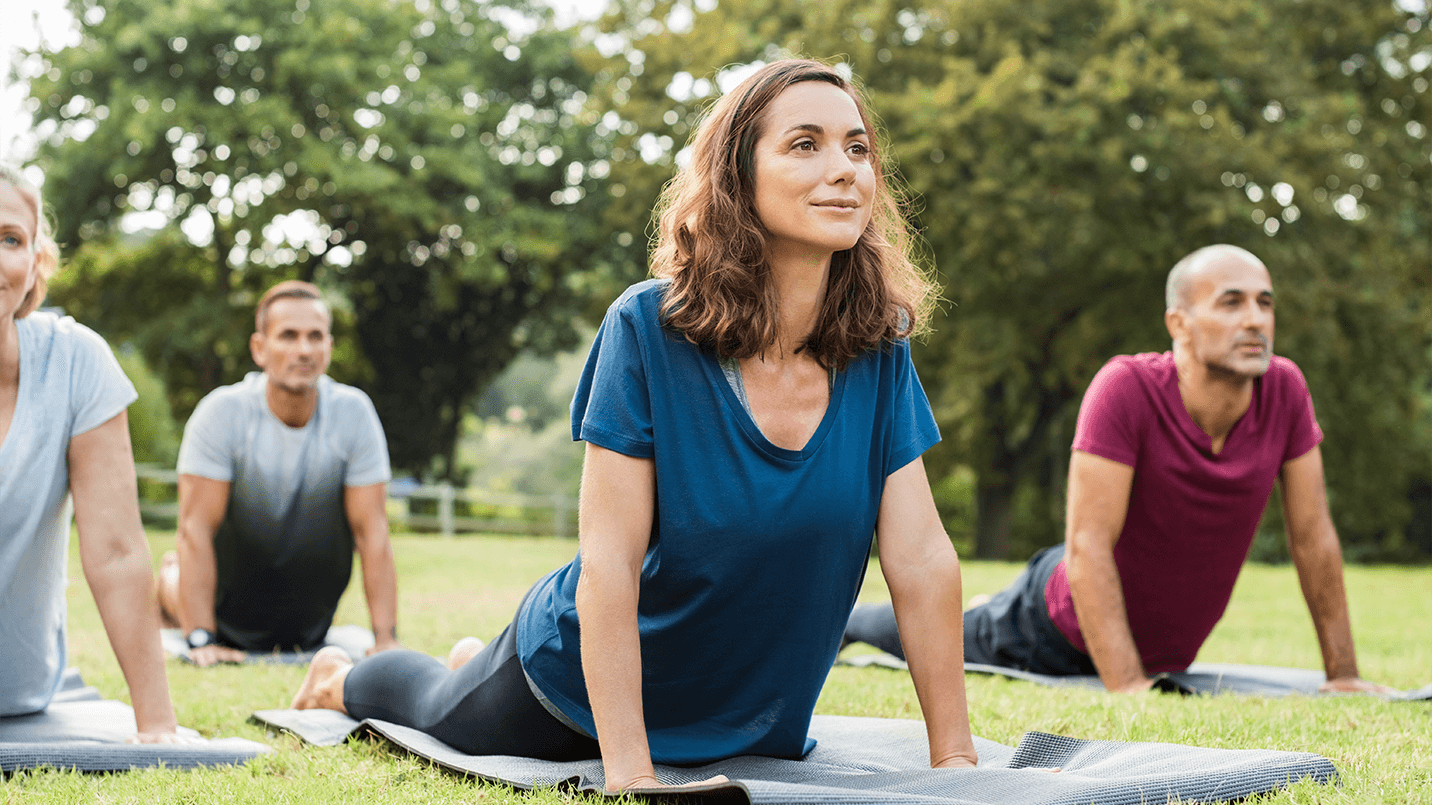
70,383
757,552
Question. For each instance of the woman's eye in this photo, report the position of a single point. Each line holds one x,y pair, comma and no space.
805,145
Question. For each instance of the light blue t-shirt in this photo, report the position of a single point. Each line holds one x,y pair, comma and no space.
70,383
284,550
757,552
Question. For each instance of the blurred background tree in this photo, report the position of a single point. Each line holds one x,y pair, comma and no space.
1063,156
431,164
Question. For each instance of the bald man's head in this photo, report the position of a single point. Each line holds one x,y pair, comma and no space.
1181,277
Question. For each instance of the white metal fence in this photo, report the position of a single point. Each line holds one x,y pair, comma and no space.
437,508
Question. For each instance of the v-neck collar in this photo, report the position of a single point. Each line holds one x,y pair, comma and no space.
738,411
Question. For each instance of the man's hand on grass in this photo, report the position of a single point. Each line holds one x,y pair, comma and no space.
205,656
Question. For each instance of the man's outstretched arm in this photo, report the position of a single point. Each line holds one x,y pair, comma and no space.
1098,502
1313,542
366,509
202,504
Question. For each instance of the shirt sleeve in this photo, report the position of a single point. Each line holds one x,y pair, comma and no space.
207,447
913,422
1304,432
1106,426
368,458
612,405
99,387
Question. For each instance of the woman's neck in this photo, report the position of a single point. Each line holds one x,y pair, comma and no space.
800,286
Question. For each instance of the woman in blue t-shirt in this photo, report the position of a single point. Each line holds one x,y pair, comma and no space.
63,430
751,418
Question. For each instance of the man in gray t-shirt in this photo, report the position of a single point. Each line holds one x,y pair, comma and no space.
281,477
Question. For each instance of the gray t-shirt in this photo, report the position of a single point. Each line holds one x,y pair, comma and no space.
284,550
70,383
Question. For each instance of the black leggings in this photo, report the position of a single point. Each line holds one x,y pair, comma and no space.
483,708
1012,630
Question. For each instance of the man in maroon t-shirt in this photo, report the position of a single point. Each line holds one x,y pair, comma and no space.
1175,456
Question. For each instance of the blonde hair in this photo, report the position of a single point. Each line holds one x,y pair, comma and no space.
47,252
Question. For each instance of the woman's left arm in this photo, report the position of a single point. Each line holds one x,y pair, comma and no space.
115,555
923,573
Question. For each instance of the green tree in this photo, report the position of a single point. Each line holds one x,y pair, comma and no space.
433,168
1064,155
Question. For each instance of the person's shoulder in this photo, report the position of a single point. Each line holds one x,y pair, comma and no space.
63,332
642,299
234,397
1284,370
1147,365
343,397
1284,377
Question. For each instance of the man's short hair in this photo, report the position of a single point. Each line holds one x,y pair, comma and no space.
1176,289
288,289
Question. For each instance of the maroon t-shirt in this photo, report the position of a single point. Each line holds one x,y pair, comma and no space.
1192,514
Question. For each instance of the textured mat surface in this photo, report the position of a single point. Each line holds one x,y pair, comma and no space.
80,730
352,638
1201,677
876,760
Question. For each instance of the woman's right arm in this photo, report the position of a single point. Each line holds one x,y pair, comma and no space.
617,504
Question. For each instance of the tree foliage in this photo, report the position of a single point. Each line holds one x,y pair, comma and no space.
1064,155
435,170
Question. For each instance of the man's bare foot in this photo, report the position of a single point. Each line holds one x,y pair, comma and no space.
169,590
978,601
322,688
462,651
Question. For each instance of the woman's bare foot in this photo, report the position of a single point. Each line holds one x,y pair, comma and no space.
462,651
322,688
169,590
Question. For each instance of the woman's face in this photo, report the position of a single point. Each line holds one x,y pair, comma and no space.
813,172
17,252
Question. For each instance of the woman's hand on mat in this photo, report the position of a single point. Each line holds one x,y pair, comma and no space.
959,761
205,656
649,781
1352,684
162,738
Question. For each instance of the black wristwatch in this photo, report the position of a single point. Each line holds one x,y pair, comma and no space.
200,637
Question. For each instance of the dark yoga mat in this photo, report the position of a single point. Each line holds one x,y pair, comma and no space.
82,731
352,638
877,760
1201,677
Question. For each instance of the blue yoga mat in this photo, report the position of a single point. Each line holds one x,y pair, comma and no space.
80,730
1200,678
878,760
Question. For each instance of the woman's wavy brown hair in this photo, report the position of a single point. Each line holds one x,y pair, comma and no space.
711,244
47,254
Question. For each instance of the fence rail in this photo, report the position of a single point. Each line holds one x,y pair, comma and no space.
438,508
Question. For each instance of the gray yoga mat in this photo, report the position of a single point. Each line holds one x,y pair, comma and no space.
876,760
1201,677
82,731
352,638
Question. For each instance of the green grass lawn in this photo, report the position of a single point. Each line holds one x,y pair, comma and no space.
450,588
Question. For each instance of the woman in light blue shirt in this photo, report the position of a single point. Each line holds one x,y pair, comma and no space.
63,430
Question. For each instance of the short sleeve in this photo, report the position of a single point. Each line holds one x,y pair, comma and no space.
99,387
368,456
913,423
1305,434
612,405
1106,427
207,447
